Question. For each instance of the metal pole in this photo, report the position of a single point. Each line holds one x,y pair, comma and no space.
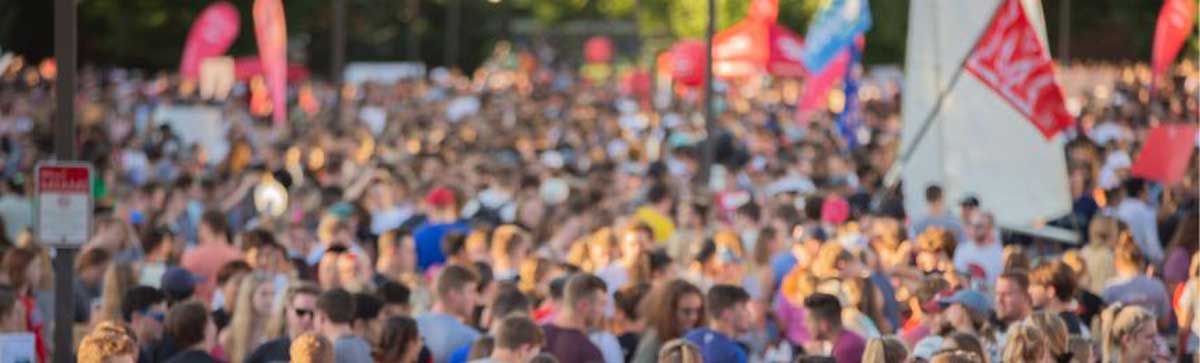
453,13
1064,33
710,125
65,29
338,56
414,41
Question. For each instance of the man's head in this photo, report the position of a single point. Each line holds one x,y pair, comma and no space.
1135,188
214,228
335,307
158,244
1051,281
107,343
824,315
933,195
1012,296
301,308
366,315
981,225
728,305
509,301
144,309
518,337
456,290
454,244
584,296
396,253
90,265
261,251
188,324
229,278
395,298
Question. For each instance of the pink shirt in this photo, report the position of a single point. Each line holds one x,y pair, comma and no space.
205,261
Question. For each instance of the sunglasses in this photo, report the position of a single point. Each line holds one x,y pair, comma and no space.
156,315
304,313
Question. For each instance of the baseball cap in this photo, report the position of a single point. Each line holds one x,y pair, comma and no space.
440,197
970,299
178,283
969,201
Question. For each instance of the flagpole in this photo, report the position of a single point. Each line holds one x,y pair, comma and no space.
893,175
710,126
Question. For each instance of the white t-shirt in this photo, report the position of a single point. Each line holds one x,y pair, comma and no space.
987,257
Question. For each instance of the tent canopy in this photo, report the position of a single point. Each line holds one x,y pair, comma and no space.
754,46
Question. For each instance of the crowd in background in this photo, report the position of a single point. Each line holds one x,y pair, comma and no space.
525,213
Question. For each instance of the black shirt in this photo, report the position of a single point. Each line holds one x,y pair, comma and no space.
1074,324
192,356
274,351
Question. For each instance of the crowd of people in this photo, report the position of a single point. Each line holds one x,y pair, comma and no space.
526,214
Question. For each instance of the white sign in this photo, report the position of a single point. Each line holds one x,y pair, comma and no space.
382,72
201,125
64,204
17,348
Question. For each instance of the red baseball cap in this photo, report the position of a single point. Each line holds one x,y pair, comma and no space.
440,197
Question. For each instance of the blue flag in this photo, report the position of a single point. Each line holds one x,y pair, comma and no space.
850,119
832,29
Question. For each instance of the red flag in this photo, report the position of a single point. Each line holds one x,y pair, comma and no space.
1166,153
270,30
1011,60
817,86
211,35
1175,23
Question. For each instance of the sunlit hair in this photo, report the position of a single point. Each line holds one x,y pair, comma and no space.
107,341
585,251
937,240
884,350
679,351
829,260
118,279
395,337
248,327
1117,322
1127,252
1015,259
660,308
1103,230
311,348
1054,330
968,343
1026,343
959,356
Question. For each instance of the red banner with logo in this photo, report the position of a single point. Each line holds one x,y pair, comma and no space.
1011,60
1166,153
270,30
211,35
1175,23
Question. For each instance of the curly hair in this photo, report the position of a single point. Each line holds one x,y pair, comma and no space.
311,348
107,341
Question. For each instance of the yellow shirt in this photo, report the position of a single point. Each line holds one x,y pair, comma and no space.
662,225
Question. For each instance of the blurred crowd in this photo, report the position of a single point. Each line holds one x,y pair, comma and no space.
527,213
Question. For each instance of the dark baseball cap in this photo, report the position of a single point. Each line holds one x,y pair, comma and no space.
178,283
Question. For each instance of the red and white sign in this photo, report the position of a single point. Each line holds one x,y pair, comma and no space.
1011,60
270,30
64,204
1175,23
1165,154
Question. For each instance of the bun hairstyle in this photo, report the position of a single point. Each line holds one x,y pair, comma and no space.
1117,322
1055,331
1026,343
884,350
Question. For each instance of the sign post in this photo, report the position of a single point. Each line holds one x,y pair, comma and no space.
64,221
66,54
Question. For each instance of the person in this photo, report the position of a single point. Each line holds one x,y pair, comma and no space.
509,247
12,314
1012,298
981,249
1026,343
178,285
656,212
107,343
825,324
256,298
159,245
311,348
679,351
1055,332
729,317
584,300
1132,286
225,299
967,313
627,324
299,310
1103,234
399,341
1052,288
1187,309
1135,210
397,299
144,309
397,260
335,313
213,252
954,356
936,215
444,327
1127,334
518,340
366,316
509,301
967,343
884,350
193,332
443,219
89,268
23,267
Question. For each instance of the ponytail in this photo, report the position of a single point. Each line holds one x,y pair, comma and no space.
1117,322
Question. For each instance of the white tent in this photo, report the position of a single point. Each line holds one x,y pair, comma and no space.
977,144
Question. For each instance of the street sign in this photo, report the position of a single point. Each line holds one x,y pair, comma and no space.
64,203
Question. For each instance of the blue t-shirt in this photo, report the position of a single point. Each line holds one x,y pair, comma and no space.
428,238
782,264
461,355
716,347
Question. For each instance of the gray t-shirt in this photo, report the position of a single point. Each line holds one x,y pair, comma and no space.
1139,290
443,334
351,349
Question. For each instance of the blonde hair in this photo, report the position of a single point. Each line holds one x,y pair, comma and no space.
957,356
680,351
108,340
1025,343
884,350
245,319
118,278
1015,259
1103,230
1054,331
825,265
311,348
1118,322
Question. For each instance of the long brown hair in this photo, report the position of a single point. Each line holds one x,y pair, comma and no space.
118,278
661,308
16,261
394,338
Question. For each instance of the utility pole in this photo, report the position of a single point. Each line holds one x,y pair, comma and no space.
453,13
65,53
338,56
710,125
